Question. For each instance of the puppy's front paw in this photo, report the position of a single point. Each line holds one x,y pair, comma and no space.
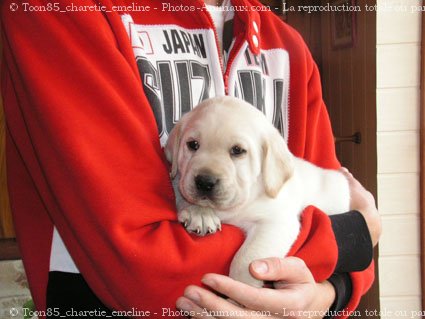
199,220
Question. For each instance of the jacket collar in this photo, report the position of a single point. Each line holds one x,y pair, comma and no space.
251,20
248,16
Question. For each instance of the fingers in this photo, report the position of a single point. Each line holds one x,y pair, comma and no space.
202,303
294,282
355,185
347,173
363,201
289,274
190,309
344,170
248,296
283,270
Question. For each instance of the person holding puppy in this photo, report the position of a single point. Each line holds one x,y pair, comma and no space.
86,95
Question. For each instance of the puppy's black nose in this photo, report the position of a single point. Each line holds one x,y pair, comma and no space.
205,183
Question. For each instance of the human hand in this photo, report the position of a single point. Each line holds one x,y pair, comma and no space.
364,202
296,294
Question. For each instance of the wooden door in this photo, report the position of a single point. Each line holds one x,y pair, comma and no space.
6,226
8,245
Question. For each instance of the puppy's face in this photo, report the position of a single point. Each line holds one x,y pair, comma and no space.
220,150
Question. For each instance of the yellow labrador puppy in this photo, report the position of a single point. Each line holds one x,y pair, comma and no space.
230,165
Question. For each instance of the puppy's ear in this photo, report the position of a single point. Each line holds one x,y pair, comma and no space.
172,148
278,163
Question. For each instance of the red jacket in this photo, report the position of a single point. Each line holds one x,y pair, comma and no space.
83,152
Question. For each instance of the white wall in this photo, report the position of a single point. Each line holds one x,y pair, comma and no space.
398,81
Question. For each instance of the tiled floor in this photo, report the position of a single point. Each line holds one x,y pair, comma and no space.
14,291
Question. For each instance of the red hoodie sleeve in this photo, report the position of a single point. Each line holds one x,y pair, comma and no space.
82,131
311,138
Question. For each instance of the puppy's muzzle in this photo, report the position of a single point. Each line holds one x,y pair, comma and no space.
206,184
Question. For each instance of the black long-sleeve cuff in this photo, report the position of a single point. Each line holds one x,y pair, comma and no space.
355,250
343,289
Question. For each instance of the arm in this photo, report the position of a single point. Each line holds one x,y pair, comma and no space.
86,135
364,202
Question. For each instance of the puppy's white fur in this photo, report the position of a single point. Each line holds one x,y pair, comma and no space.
263,190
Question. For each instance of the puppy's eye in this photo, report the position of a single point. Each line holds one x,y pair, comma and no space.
237,151
192,145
